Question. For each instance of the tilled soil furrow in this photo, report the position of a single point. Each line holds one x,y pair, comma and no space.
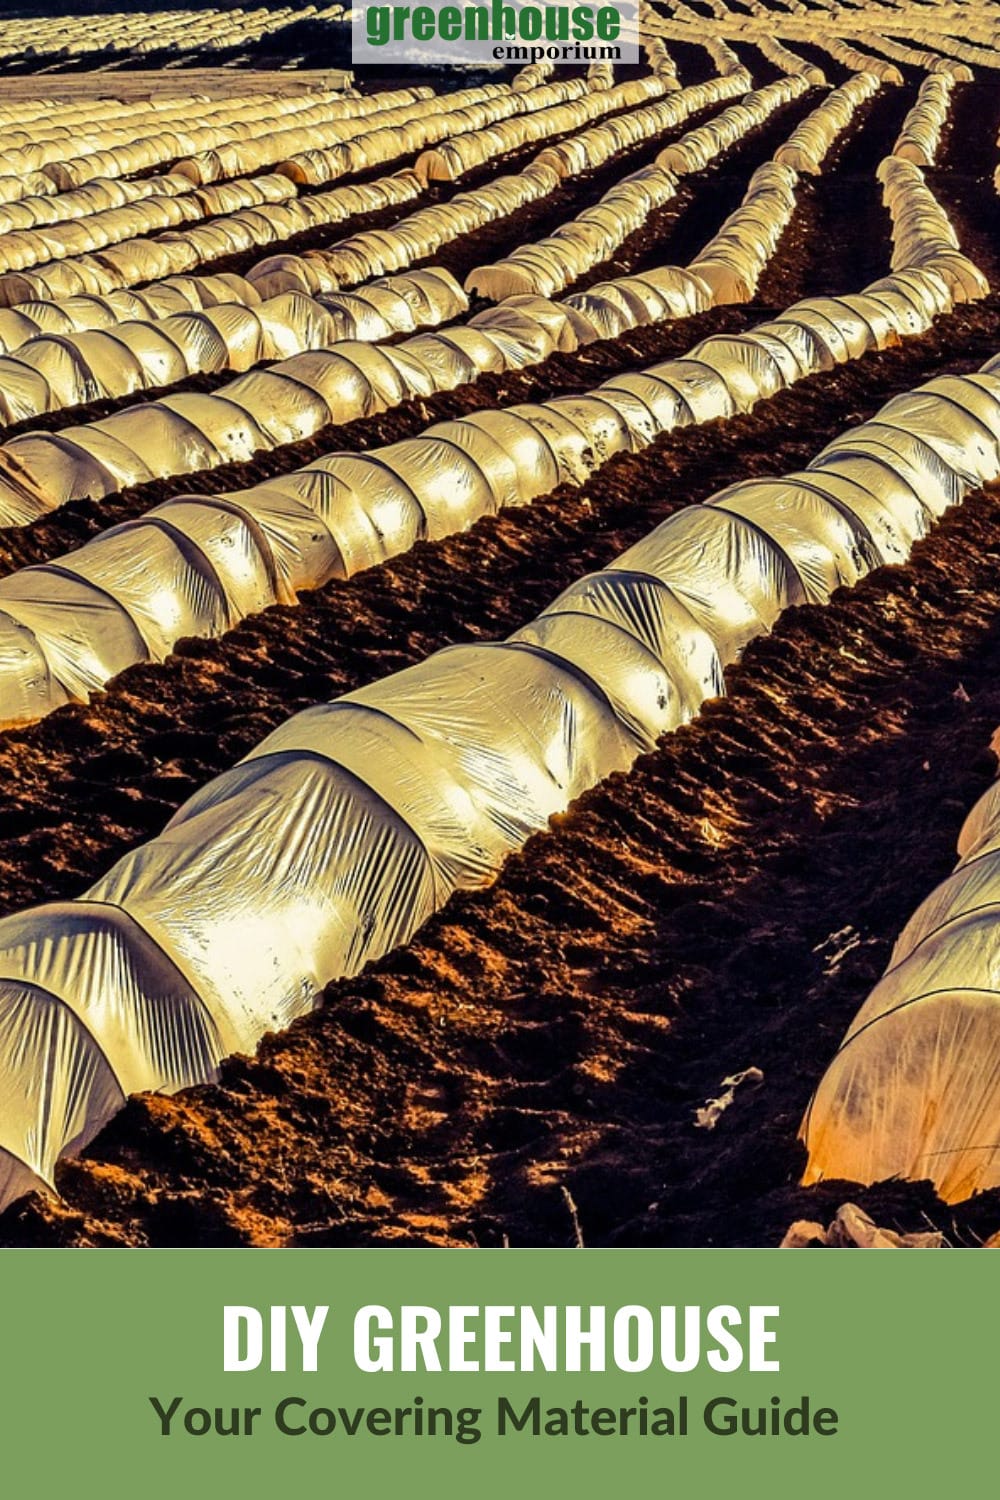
967,158
840,237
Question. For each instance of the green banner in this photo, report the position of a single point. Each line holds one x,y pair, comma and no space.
585,1373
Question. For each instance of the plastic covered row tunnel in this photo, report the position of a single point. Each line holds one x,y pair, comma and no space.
69,626
960,47
592,147
142,260
140,138
553,263
27,119
961,31
838,34
807,146
659,59
353,145
696,149
860,62
922,233
374,252
16,185
914,1089
123,150
76,35
920,136
350,824
102,193
313,157
732,262
261,409
174,294
67,128
548,265
964,34
790,62
55,371
59,370
919,57
41,471
23,248
458,154
177,251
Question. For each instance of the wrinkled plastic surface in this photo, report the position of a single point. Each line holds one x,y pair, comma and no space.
913,1089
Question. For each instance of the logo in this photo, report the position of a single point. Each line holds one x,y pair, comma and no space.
500,32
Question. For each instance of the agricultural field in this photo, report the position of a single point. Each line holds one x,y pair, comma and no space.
500,632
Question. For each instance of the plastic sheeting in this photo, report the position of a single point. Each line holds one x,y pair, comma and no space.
610,308
63,367
262,409
142,137
457,154
375,252
922,234
117,31
71,369
732,262
234,131
807,146
600,76
178,251
336,838
548,265
919,57
914,1089
74,314
725,59
730,265
24,185
533,76
180,434
920,136
790,62
420,234
591,148
660,60
51,207
696,149
965,32
315,159
23,248
317,152
216,559
860,62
